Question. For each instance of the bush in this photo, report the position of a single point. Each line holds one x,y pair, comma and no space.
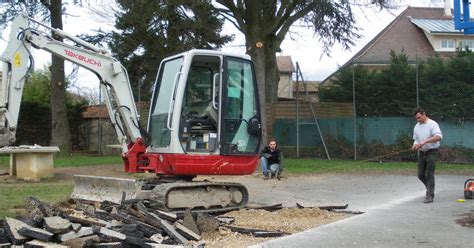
34,124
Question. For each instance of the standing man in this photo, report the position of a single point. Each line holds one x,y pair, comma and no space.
426,136
271,160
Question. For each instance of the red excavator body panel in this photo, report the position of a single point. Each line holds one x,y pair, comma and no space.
136,160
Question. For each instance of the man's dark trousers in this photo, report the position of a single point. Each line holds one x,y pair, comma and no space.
426,170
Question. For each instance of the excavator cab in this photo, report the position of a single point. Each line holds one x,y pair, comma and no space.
205,103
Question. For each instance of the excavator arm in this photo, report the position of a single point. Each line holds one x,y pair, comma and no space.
18,62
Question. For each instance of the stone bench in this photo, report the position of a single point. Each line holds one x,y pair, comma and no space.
30,162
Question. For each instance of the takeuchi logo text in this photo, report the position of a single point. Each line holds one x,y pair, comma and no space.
82,58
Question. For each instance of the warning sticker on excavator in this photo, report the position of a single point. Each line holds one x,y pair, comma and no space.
17,59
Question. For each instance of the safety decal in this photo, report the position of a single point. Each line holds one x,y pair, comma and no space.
17,59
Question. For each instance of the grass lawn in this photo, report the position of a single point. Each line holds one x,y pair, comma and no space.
12,195
73,161
350,166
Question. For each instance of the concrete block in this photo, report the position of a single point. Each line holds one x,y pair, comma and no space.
35,233
186,232
40,244
110,233
12,226
31,162
57,225
87,241
84,231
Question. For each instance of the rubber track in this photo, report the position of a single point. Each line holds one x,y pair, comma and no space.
159,193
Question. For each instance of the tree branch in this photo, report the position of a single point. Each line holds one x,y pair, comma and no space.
236,11
286,23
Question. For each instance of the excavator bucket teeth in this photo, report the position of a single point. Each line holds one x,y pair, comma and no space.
98,189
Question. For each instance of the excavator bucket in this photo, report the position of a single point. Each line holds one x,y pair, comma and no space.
98,189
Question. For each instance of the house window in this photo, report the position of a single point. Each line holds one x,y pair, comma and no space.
447,45
466,43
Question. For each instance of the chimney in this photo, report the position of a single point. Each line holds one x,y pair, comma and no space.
447,8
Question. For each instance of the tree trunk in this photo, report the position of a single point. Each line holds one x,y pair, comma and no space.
264,59
258,58
60,133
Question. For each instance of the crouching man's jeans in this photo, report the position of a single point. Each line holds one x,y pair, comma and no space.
265,168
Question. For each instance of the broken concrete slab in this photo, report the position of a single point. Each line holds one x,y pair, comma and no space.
109,233
109,245
140,242
273,207
147,229
35,233
57,225
42,244
256,232
108,205
76,227
190,222
12,226
79,217
153,245
131,230
186,232
154,220
84,231
171,231
83,241
141,208
226,220
323,207
167,215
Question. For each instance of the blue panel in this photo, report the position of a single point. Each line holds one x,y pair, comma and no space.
463,20
385,130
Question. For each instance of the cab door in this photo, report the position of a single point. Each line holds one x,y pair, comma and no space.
240,129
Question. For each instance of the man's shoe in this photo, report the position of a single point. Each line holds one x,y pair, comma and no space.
279,177
428,200
272,176
265,177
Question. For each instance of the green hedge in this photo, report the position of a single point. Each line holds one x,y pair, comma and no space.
34,124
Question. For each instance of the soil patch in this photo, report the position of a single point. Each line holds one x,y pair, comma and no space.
287,220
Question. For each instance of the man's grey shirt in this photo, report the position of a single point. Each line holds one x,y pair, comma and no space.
424,131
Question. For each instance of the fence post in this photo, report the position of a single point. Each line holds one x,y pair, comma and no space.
354,109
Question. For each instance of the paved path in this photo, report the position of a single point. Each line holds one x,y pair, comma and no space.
395,215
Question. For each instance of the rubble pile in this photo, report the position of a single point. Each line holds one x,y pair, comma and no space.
131,224
136,223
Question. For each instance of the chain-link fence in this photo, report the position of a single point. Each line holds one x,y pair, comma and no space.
382,103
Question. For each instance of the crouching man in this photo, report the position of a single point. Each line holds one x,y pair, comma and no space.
271,160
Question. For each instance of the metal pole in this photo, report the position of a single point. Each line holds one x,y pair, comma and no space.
297,114
139,98
99,125
417,83
298,72
355,112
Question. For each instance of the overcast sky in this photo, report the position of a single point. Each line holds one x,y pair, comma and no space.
301,44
